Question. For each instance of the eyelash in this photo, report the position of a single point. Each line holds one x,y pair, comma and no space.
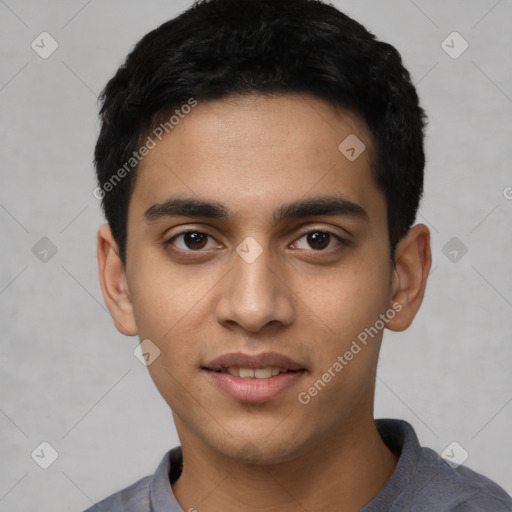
342,243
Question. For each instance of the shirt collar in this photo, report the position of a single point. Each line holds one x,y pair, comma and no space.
161,496
401,439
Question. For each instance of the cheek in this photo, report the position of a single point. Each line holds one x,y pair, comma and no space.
166,298
348,341
349,299
171,309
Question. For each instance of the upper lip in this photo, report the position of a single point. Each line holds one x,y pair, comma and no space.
241,360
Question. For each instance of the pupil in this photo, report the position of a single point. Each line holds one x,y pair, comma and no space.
319,238
195,239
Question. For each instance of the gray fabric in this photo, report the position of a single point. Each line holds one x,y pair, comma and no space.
422,482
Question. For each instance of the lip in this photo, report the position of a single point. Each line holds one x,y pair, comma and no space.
258,361
253,390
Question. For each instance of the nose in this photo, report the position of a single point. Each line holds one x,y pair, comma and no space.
255,294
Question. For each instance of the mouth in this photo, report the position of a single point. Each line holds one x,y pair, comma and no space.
252,373
253,379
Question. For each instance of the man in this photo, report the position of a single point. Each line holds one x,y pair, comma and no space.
260,164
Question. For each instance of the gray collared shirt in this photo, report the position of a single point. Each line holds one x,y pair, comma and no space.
422,482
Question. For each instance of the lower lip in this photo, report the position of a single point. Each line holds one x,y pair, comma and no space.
252,389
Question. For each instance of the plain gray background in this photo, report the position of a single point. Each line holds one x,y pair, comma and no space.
70,379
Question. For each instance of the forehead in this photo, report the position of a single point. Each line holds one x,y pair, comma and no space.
252,153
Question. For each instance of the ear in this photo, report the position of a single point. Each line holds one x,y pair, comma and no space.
113,283
413,259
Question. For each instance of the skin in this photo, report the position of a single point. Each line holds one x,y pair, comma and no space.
298,298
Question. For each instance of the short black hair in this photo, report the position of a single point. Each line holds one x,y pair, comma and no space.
219,48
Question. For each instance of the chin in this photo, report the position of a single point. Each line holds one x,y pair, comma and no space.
262,452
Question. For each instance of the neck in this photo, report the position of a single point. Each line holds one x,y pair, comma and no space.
341,474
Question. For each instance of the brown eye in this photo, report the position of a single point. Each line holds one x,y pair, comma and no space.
190,241
195,240
320,240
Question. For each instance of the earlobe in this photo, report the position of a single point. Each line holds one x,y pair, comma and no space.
113,283
413,259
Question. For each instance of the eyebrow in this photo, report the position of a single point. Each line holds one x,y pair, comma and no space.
310,207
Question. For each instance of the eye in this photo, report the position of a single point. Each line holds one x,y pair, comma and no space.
320,240
196,241
191,241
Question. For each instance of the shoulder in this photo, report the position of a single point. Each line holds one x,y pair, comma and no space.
134,498
460,489
148,492
424,481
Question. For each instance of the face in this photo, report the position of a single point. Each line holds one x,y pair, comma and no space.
255,285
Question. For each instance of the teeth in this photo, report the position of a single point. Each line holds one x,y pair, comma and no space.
251,373
246,373
263,373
